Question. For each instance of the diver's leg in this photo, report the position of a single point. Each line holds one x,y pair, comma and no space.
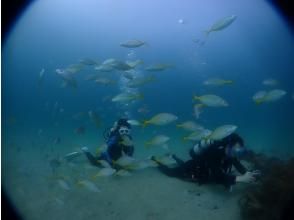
171,172
178,160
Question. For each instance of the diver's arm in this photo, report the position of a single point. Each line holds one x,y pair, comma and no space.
240,168
248,177
223,178
111,141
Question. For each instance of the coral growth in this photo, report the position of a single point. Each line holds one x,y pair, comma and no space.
273,196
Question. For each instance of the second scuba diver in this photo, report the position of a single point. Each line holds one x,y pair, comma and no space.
212,163
119,143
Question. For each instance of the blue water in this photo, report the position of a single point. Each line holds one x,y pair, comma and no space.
53,34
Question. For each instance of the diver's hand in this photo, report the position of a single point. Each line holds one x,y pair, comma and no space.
248,177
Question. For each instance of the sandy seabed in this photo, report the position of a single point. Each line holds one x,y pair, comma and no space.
147,194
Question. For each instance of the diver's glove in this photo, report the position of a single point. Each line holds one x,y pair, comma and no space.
201,145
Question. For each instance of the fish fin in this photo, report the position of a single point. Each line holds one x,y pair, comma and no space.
145,123
228,81
184,139
195,97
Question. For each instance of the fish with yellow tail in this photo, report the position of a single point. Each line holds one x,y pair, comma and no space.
157,141
211,100
217,82
221,24
161,119
222,132
270,96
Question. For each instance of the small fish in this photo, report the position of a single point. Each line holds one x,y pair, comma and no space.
211,100
134,122
158,67
198,135
71,156
123,173
127,97
157,140
140,81
128,74
166,160
67,77
222,132
92,77
270,96
88,62
104,68
221,24
132,43
189,126
89,185
74,68
107,171
270,82
104,163
217,82
161,119
274,95
135,63
120,65
125,161
259,96
138,165
104,81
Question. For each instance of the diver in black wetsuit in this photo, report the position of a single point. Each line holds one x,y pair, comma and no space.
116,146
212,163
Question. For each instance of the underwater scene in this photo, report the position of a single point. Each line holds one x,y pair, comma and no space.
150,109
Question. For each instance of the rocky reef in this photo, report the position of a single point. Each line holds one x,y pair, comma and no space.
272,197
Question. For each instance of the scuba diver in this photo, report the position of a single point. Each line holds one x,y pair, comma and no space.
212,163
119,143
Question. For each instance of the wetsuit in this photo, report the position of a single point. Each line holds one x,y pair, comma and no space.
210,166
115,150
